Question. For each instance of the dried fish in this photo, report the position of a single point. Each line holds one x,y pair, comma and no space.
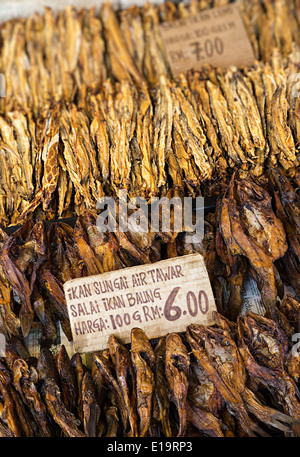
143,360
177,370
66,420
126,380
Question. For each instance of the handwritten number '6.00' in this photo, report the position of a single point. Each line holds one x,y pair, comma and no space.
173,312
170,307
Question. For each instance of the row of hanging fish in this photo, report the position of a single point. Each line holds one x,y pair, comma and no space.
189,135
231,379
58,55
91,108
254,232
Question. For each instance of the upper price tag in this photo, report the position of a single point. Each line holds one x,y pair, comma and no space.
216,36
160,298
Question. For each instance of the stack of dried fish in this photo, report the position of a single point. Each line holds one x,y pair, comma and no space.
249,229
239,377
190,135
208,381
287,207
91,108
57,56
35,263
253,233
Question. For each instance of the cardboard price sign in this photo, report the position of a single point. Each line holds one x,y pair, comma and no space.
160,298
216,36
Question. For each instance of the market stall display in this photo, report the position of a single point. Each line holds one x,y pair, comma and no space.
92,109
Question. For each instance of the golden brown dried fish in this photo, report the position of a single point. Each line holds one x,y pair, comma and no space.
53,290
202,392
46,366
204,421
117,48
67,380
99,133
9,414
66,420
177,370
81,236
24,381
126,380
143,361
17,278
111,415
257,242
80,370
225,125
91,410
155,61
5,430
263,345
107,370
191,132
228,377
49,155
163,121
281,131
162,395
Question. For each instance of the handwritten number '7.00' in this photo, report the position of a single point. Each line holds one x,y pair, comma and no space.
207,49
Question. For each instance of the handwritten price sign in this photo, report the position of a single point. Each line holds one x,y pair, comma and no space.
160,298
216,36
